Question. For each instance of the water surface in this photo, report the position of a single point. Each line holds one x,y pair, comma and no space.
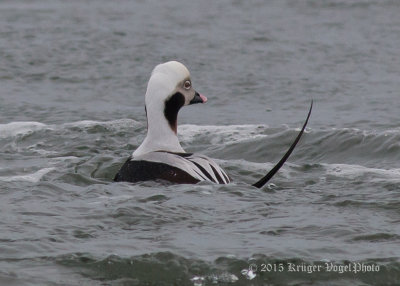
72,81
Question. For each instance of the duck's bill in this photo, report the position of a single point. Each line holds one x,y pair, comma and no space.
198,98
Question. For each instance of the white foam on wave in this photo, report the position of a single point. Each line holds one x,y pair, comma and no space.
32,178
258,168
66,158
355,171
20,128
107,199
187,132
222,133
13,129
368,132
111,124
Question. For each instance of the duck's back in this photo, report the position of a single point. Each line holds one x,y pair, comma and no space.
182,168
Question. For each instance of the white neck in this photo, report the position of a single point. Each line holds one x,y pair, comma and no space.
160,136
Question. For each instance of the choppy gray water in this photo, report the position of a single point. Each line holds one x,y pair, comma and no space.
72,82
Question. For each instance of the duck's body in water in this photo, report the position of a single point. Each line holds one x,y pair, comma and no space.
160,156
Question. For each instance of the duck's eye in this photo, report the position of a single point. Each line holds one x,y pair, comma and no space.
187,84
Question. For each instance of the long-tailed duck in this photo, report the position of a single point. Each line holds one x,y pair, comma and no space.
161,156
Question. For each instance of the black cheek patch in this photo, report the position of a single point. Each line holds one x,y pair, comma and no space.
171,109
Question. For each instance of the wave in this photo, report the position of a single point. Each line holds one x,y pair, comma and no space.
352,172
32,178
379,149
191,132
166,268
13,129
260,143
113,124
223,133
20,128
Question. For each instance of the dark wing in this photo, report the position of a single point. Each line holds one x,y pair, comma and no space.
275,169
139,170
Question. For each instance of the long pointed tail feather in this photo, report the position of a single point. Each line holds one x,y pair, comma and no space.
275,169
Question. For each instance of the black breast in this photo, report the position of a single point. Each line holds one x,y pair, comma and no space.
137,171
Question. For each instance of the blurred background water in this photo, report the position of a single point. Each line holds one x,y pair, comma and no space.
72,81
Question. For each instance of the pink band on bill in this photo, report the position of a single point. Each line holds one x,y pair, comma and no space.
203,98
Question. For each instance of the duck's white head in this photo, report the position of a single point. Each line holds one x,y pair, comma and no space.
169,89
